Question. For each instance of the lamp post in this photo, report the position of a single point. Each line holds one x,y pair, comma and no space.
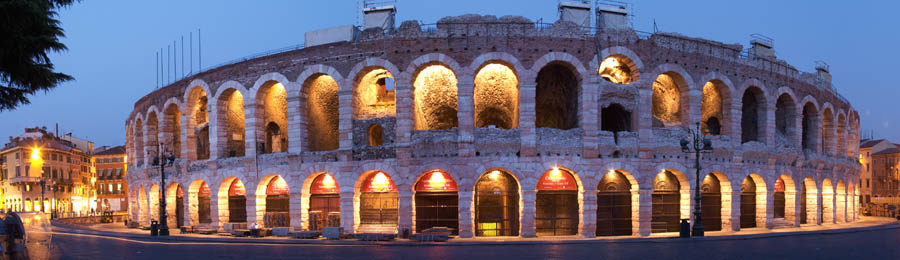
163,225
43,184
696,145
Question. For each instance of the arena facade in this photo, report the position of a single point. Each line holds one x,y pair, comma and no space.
499,127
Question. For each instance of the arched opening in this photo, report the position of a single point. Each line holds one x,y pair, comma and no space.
841,200
321,113
271,109
203,202
436,202
496,97
808,201
172,130
139,142
142,205
827,201
753,115
841,135
810,127
237,202
614,208
615,118
175,205
231,124
374,95
666,201
154,202
827,135
435,98
324,203
785,118
711,203
748,203
556,204
496,204
714,107
779,200
152,137
556,97
197,124
669,101
277,205
616,69
378,203
375,133
275,140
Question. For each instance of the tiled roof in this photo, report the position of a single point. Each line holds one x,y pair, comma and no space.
888,151
111,151
870,143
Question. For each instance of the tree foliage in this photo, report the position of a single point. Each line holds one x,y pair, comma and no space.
28,31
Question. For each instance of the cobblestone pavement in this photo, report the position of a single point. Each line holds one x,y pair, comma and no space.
872,244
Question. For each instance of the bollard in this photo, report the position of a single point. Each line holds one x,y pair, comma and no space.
685,228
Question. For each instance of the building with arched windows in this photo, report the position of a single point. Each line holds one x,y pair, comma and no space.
499,127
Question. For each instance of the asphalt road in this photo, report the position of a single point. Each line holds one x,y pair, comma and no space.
878,244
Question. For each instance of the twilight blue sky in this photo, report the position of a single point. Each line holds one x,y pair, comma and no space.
112,46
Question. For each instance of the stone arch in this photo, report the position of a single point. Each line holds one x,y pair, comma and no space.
139,141
841,201
557,95
671,98
272,200
563,58
809,206
786,207
828,202
828,130
716,204
270,112
615,118
497,220
557,190
374,90
151,135
435,193
786,118
376,202
434,94
496,95
759,196
232,201
841,134
754,109
153,199
199,203
671,202
196,115
230,120
320,107
627,58
143,206
174,209
810,129
171,127
716,105
613,202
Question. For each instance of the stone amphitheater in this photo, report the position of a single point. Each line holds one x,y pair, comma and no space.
498,127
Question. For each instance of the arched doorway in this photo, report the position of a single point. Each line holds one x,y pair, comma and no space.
324,203
779,199
437,202
748,203
237,202
614,205
666,203
803,199
556,204
179,206
277,203
711,203
378,203
203,204
496,204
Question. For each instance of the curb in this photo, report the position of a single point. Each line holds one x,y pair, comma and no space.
73,229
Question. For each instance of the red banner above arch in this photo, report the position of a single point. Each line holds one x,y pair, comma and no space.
436,181
324,184
557,179
277,186
236,189
378,182
204,190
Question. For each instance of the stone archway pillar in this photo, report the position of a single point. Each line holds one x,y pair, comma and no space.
295,210
588,211
526,223
819,207
405,214
735,206
769,220
644,211
347,212
466,115
466,218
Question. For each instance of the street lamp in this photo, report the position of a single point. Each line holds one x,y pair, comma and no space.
162,159
43,184
696,145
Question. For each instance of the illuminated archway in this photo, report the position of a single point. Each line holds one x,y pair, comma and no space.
324,208
828,132
374,95
321,110
152,136
231,124
200,202
273,201
435,98
615,193
232,201
715,191
272,117
670,107
496,204
154,202
496,97
715,107
378,203
172,129
785,198
436,202
666,199
617,69
841,201
557,204
827,202
175,205
197,124
809,200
